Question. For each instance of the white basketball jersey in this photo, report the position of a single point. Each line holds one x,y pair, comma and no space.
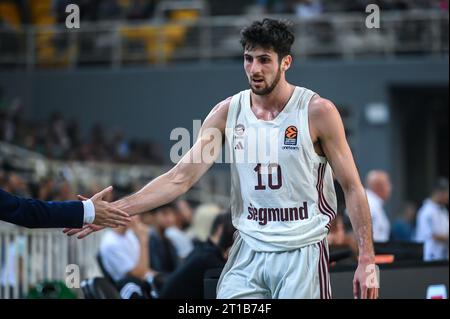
282,192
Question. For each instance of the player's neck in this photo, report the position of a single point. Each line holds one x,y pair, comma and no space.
275,100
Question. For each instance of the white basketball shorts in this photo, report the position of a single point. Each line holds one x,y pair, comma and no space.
295,274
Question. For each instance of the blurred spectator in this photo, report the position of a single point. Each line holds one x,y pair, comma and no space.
187,280
185,212
58,135
399,5
16,185
2,177
338,238
98,144
73,133
308,8
64,192
163,255
61,139
109,10
59,9
432,223
141,9
177,232
443,5
120,147
378,192
386,4
11,268
147,218
278,6
403,228
46,189
203,219
124,255
12,122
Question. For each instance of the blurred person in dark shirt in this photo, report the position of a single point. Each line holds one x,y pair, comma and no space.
403,228
163,255
15,184
124,256
177,232
187,280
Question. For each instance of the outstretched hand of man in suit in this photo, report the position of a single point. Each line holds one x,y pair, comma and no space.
105,216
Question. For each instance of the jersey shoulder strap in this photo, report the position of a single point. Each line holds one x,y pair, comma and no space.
233,113
234,109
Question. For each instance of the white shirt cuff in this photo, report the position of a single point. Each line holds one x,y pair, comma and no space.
89,211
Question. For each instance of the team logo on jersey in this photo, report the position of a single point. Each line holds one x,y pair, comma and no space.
239,130
290,135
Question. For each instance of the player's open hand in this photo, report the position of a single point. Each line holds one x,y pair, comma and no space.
105,214
366,281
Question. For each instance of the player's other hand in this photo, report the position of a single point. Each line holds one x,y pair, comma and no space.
366,281
86,230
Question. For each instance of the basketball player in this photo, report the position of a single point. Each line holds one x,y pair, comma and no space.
282,209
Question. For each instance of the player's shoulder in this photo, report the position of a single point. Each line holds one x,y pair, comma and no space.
323,116
223,105
320,107
221,109
217,117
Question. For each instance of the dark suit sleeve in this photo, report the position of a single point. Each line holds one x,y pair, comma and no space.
33,213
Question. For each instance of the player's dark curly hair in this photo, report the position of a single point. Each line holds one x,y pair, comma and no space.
269,34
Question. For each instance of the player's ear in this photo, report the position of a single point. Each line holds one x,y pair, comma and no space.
286,62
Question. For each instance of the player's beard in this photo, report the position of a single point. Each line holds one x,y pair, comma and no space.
267,90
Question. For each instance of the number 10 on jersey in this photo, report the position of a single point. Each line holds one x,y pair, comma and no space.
272,172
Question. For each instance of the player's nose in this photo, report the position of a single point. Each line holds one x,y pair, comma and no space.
255,69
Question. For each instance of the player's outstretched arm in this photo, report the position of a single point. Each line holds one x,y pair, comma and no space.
181,177
187,172
326,125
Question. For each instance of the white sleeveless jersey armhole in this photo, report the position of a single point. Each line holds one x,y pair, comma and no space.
233,112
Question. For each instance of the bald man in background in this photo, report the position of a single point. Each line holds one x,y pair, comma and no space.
378,189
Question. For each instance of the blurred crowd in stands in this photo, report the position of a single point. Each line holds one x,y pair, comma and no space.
165,253
170,30
145,9
311,8
60,138
107,10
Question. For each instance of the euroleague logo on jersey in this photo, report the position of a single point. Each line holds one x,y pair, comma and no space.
290,138
290,135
